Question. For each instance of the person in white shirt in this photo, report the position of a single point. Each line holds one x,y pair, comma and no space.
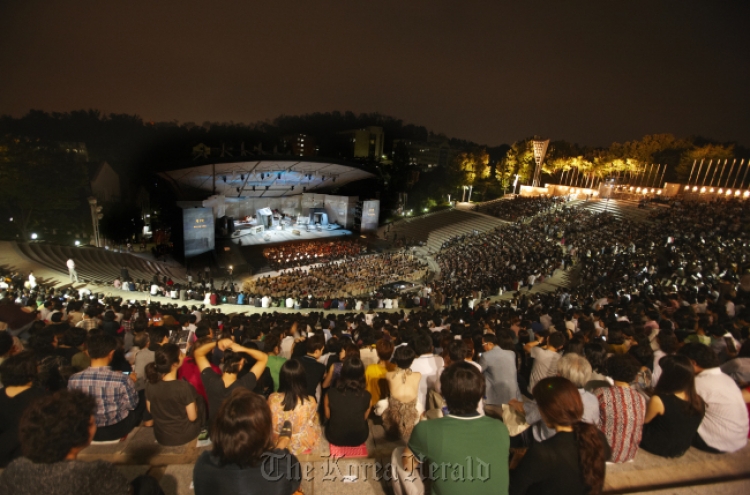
725,426
265,302
289,302
72,270
32,280
429,365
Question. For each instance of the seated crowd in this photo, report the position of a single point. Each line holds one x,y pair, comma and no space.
307,253
650,350
521,208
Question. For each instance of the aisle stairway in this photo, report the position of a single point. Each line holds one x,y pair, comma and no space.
621,209
97,266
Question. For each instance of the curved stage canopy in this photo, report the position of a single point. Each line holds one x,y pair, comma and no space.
262,178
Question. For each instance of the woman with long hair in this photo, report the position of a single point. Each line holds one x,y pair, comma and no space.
292,405
675,411
244,458
347,406
176,408
347,350
572,461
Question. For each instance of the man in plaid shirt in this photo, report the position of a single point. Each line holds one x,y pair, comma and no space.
119,408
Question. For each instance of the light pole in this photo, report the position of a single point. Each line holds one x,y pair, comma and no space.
515,183
471,188
96,215
610,185
463,197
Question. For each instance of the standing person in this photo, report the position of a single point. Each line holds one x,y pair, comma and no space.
499,369
291,405
571,461
724,428
675,411
428,364
173,403
72,270
347,406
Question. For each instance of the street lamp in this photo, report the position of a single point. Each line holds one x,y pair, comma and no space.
463,197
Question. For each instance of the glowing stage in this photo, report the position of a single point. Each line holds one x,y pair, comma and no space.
255,235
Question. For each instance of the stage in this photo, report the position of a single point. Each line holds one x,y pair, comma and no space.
248,236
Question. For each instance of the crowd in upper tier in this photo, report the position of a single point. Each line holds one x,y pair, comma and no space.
521,208
647,349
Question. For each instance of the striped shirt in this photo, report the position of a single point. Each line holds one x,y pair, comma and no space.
622,411
114,393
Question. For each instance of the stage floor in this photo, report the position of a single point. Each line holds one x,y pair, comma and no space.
271,237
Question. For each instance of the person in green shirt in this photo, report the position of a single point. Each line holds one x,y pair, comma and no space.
463,453
275,362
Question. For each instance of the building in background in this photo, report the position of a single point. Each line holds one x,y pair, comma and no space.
427,154
105,184
366,144
301,145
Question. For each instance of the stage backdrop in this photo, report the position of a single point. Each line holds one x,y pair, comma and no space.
198,228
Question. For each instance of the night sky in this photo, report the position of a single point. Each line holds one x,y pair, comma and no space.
491,71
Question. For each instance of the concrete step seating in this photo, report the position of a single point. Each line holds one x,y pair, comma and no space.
173,466
435,228
97,265
621,209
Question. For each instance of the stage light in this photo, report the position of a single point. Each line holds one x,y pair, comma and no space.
262,176
695,188
238,189
687,187
242,176
304,189
279,176
267,188
292,188
225,178
253,188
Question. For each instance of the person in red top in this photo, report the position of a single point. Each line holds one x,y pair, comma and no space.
189,371
214,299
